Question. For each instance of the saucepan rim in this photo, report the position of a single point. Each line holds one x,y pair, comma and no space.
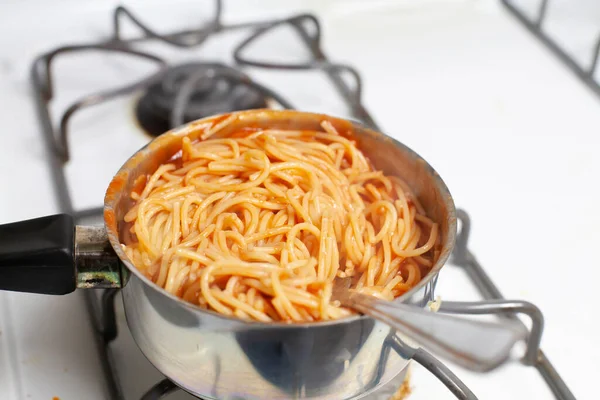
116,190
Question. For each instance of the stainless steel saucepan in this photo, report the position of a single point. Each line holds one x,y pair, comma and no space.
208,354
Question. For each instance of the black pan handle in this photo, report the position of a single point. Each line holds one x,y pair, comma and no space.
38,255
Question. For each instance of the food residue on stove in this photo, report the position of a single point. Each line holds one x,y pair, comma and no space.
405,389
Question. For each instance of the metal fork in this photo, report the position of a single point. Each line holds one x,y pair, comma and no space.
476,345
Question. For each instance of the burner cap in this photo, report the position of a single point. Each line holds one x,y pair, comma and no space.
219,89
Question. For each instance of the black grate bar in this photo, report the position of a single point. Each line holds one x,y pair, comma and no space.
535,27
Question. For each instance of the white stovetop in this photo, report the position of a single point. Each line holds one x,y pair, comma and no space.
511,130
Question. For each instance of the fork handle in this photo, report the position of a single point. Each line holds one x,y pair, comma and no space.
477,345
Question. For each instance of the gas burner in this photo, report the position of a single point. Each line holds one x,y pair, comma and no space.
191,91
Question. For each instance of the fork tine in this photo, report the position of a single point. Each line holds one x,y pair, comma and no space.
340,288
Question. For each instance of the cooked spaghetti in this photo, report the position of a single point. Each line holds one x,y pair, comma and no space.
258,225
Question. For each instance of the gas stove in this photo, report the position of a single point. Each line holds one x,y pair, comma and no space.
449,79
